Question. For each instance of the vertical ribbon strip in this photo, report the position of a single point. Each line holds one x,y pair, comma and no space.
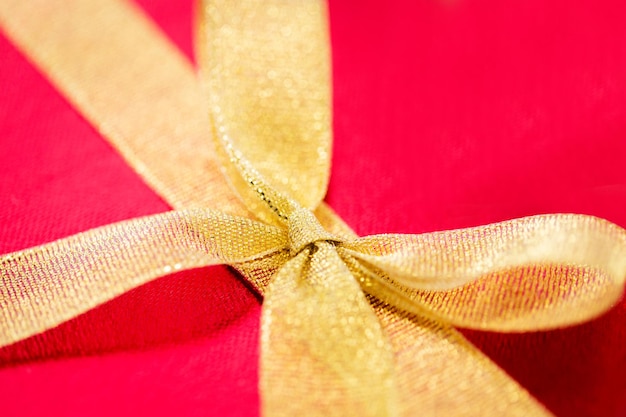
350,326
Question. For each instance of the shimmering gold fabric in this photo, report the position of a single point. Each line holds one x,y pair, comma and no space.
321,342
266,67
46,285
534,273
350,326
133,86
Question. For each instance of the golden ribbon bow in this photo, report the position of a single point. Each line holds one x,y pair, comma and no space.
350,326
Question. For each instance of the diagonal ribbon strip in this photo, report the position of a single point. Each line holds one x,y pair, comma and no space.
349,325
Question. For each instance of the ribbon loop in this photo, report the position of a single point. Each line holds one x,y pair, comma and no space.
266,68
539,272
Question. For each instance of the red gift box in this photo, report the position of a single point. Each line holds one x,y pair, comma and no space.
446,115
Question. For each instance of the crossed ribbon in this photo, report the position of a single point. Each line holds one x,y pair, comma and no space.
350,326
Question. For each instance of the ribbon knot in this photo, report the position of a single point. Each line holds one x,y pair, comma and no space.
363,327
304,230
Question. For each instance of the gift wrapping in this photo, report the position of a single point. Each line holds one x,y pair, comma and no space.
446,115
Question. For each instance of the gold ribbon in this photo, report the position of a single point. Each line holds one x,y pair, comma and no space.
350,326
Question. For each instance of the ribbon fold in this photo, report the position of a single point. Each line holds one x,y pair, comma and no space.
350,325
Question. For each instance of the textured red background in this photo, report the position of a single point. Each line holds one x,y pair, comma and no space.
447,114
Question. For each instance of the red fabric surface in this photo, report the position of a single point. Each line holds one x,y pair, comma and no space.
447,114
